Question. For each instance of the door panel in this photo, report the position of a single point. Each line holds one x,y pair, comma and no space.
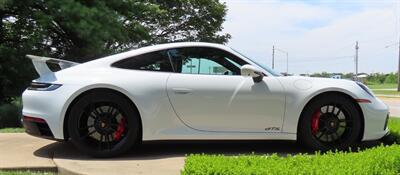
227,103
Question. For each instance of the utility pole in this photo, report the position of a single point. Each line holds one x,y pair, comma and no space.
398,71
273,56
356,62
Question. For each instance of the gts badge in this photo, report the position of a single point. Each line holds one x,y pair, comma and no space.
272,129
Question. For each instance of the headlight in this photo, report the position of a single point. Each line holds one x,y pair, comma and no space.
36,86
365,88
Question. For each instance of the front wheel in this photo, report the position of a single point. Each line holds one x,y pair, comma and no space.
103,124
330,122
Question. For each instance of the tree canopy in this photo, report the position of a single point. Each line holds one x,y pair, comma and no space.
82,30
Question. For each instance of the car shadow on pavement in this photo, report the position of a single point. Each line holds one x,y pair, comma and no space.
170,149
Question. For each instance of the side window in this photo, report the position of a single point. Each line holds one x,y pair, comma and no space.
204,66
154,61
203,60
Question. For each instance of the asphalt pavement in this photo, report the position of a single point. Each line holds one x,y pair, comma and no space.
394,106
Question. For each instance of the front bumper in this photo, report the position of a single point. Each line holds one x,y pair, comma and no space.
376,115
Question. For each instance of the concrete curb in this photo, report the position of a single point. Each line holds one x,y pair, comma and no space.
21,152
35,169
64,171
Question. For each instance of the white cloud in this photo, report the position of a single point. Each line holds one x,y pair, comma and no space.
313,33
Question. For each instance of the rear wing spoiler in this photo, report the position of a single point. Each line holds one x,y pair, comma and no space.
42,68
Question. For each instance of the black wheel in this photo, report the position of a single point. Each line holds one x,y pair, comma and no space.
330,122
103,124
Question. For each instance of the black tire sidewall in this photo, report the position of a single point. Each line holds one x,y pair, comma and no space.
98,97
305,133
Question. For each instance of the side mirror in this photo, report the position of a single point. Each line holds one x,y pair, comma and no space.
251,71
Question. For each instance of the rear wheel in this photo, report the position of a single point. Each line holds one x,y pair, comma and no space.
103,124
330,122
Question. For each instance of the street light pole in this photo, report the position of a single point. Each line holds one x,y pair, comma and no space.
273,56
356,62
287,58
398,71
287,63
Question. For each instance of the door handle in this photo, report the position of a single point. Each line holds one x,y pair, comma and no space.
181,90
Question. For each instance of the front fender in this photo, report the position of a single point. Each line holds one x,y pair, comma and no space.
297,99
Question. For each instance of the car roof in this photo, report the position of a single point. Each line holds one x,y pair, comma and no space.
108,60
147,49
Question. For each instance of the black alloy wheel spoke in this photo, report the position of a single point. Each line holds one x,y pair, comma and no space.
93,116
100,142
107,137
110,110
345,127
334,124
336,135
103,126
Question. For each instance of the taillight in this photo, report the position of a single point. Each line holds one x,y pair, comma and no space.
37,86
33,119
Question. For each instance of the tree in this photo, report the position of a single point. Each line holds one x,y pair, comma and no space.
323,74
82,30
391,78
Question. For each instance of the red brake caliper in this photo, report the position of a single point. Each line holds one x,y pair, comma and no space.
315,122
120,129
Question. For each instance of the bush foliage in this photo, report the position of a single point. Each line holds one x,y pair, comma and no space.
377,160
10,114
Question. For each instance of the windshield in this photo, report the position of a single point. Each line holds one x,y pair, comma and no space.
261,65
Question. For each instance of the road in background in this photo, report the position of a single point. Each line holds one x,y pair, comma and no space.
394,105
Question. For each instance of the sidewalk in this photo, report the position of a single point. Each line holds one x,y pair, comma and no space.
71,161
22,152
19,151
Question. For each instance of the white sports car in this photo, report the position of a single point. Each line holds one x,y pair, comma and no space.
193,91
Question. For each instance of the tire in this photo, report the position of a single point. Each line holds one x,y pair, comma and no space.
329,122
103,124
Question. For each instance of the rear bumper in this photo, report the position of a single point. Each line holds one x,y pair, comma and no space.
49,106
37,127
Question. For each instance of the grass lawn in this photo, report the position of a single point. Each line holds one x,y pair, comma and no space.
24,173
385,92
378,160
12,130
382,86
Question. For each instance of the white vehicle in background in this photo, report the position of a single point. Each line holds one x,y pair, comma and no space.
193,91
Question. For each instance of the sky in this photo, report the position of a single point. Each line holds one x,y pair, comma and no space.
318,35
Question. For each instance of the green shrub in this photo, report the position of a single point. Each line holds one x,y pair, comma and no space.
378,160
10,114
394,126
12,130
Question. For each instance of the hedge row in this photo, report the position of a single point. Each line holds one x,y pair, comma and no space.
378,160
